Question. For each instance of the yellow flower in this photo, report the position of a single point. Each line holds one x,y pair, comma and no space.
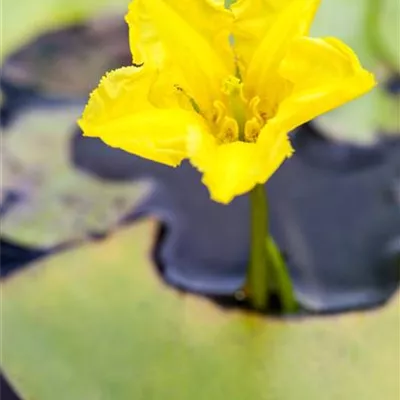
221,87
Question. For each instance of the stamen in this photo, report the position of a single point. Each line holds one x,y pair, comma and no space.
229,131
252,130
262,109
219,111
253,107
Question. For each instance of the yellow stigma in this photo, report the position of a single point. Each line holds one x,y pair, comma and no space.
232,86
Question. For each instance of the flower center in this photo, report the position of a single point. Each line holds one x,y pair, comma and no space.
234,118
233,89
237,118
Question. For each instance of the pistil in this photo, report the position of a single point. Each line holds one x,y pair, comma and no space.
233,89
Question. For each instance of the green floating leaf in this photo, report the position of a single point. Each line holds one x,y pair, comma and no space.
97,324
60,203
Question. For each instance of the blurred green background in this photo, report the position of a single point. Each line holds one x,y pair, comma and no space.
86,325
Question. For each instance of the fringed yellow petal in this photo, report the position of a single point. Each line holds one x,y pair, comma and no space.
229,170
119,93
325,74
190,34
268,23
274,148
120,114
158,135
253,18
261,76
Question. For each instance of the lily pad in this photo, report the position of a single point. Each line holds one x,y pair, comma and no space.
96,323
57,204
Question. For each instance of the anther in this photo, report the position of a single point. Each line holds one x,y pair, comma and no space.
252,130
229,131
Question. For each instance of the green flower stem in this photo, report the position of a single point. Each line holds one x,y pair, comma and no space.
257,272
267,272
